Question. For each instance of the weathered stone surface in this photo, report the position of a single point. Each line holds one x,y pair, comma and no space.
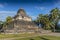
22,23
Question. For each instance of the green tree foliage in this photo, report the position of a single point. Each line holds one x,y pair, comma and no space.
8,19
44,20
50,20
54,17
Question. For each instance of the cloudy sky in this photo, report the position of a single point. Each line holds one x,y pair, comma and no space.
32,7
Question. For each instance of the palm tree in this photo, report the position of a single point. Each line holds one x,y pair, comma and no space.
54,17
44,20
50,20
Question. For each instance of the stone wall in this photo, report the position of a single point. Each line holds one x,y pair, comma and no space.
21,26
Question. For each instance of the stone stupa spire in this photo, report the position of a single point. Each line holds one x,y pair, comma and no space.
21,12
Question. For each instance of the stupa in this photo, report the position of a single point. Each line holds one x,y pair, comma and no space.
22,23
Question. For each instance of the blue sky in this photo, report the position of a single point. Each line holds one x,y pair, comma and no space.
32,7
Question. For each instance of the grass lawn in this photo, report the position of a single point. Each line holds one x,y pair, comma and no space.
15,35
40,38
43,37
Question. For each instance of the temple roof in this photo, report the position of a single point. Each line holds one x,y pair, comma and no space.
21,14
21,10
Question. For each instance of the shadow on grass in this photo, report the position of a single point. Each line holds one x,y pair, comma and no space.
31,39
43,38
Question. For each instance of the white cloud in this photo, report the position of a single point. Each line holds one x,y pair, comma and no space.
4,14
40,8
7,12
57,3
33,17
2,5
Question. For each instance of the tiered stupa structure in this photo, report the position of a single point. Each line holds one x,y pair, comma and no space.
22,23
21,15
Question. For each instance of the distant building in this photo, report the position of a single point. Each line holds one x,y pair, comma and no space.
22,23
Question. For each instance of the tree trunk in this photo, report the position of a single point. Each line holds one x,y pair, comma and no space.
54,29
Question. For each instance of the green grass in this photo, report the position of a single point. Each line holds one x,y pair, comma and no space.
40,38
15,35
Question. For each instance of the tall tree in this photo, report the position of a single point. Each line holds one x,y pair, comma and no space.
51,20
54,17
8,19
44,20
